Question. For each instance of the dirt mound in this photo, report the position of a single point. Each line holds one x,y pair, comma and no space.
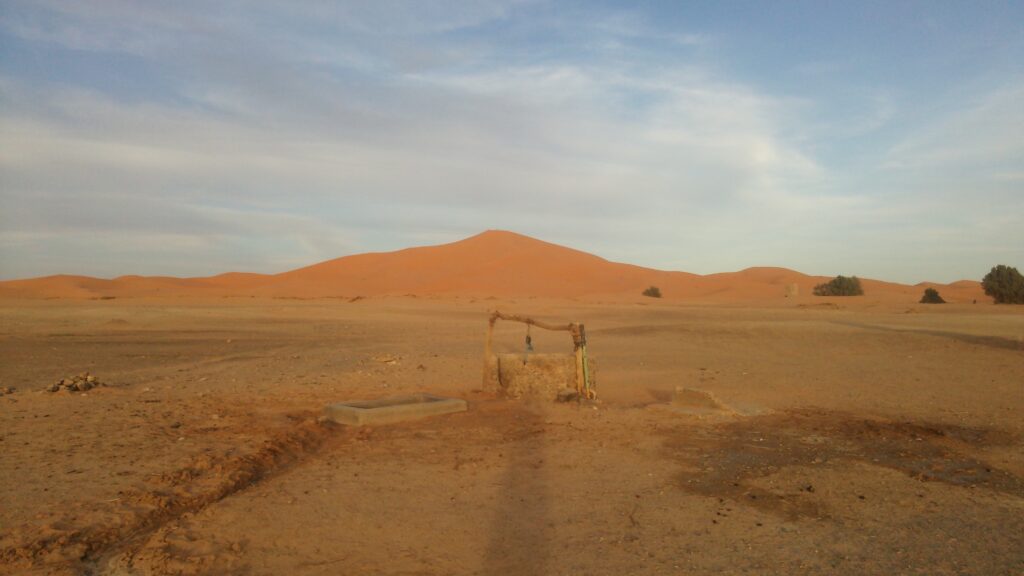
697,401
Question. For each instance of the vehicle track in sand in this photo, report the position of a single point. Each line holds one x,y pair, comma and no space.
75,540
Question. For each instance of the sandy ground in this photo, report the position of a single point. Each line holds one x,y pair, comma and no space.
863,439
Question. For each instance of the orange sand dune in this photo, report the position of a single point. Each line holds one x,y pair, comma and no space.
492,263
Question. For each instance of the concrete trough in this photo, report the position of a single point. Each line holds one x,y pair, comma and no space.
394,409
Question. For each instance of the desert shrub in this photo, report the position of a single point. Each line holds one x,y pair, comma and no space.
1005,284
840,286
931,296
653,292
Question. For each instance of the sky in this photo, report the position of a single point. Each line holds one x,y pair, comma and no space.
190,138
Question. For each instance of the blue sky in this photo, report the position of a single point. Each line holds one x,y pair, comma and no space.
882,139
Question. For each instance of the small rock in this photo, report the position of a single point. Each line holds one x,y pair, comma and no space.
53,388
90,379
85,385
567,395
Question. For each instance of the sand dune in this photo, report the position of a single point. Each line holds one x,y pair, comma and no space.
493,263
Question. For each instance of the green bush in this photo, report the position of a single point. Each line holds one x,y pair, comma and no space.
931,296
840,286
1005,284
653,292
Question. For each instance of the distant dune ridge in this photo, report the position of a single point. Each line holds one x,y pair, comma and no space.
493,263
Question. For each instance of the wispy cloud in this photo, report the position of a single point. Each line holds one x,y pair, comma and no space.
277,138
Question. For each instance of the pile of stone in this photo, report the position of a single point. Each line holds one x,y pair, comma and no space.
80,383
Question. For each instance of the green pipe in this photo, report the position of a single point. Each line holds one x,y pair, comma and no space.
586,371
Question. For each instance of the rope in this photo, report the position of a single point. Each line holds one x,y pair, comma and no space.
529,345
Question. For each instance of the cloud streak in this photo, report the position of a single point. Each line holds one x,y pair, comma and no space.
281,139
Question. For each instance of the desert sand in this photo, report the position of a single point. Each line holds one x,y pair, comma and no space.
493,263
866,435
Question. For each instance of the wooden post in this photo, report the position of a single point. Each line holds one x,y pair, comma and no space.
490,380
588,391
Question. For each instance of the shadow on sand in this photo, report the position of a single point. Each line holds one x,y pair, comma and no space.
988,341
519,543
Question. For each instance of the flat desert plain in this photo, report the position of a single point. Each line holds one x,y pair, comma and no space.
854,437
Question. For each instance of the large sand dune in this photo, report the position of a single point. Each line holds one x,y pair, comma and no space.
493,263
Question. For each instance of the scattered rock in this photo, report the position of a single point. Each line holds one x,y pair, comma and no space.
79,383
6,390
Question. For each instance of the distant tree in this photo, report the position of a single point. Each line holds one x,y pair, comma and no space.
653,292
1005,284
931,296
840,286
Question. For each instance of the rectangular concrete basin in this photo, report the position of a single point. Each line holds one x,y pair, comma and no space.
390,410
